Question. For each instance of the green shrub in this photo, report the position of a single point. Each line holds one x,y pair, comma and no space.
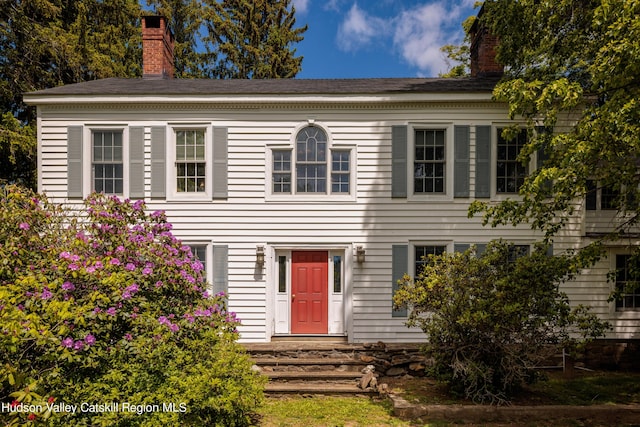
106,306
490,320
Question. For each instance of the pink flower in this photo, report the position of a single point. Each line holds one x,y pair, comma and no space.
147,271
46,293
111,311
91,269
67,342
24,226
98,264
73,267
68,286
89,340
173,327
158,284
78,345
114,261
97,310
130,266
120,248
163,320
65,255
128,337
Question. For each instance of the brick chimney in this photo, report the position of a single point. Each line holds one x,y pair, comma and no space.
483,51
157,48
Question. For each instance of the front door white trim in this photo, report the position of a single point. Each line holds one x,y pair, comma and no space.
279,303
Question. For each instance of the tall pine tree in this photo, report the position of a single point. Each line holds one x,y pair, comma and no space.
252,39
48,43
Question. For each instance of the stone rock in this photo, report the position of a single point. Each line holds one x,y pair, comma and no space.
256,368
368,369
367,359
383,388
417,367
395,372
373,383
366,379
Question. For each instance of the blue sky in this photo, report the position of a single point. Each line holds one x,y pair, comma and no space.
378,38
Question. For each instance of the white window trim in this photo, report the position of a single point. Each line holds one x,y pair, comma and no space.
87,156
494,164
271,196
172,192
449,162
615,314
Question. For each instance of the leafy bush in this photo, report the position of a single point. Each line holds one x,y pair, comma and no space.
106,306
491,319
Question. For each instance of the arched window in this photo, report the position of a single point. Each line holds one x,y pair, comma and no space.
311,160
314,167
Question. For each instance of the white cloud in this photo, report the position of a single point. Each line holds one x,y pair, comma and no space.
302,6
416,34
359,29
332,5
421,32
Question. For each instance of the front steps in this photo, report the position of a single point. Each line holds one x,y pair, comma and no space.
311,367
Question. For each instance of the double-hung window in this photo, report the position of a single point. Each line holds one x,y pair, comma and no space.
510,172
190,161
429,163
627,283
107,161
312,167
422,256
604,198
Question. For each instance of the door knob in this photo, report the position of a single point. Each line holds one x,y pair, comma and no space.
293,296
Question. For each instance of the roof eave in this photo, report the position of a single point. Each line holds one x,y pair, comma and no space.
40,99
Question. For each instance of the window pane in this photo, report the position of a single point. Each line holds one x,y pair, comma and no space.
282,274
311,160
429,161
190,165
200,253
510,173
108,171
422,256
627,283
337,274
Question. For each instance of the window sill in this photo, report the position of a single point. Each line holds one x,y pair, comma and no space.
307,198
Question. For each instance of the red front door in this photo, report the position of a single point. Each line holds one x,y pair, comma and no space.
309,287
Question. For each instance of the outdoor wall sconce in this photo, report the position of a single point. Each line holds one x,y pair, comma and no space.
260,256
360,254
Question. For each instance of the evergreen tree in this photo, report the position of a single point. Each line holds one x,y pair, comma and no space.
47,43
252,39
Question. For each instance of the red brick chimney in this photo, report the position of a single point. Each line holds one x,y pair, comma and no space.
483,51
157,48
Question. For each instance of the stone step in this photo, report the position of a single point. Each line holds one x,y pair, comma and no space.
286,361
313,375
332,388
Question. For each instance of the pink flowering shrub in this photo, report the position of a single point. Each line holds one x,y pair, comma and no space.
106,305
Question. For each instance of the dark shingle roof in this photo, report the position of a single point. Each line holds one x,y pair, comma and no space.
380,86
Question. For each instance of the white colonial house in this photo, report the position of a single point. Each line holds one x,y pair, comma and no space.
307,199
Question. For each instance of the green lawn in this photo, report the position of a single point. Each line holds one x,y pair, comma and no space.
328,411
584,389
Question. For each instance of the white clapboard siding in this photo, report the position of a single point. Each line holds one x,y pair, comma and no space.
373,219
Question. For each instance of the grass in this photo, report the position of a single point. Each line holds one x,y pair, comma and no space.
585,388
328,411
590,389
